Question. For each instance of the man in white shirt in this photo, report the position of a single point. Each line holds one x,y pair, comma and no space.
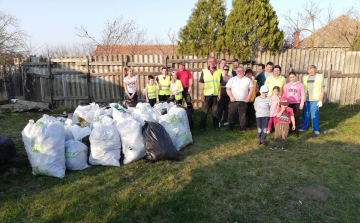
239,89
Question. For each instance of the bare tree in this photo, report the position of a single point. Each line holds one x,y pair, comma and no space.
12,37
67,50
115,32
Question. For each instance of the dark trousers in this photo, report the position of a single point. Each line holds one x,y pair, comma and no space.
250,114
296,109
210,102
223,107
241,107
177,102
187,97
135,98
164,98
262,124
152,102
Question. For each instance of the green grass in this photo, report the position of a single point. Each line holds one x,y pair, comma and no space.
223,177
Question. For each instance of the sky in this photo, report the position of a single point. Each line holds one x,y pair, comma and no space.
52,22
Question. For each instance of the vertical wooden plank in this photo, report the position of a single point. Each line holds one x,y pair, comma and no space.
348,91
338,90
357,91
343,90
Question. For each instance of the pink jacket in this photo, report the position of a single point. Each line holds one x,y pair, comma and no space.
295,92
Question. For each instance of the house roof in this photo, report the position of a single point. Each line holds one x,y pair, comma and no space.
166,50
338,33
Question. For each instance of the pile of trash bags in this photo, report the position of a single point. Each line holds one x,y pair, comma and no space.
54,145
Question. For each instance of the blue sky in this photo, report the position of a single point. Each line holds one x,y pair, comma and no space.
52,22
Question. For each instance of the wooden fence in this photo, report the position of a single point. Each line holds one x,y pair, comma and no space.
68,82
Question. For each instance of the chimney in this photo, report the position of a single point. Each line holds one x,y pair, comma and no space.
296,39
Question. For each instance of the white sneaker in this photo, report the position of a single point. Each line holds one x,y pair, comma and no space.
226,124
301,130
317,132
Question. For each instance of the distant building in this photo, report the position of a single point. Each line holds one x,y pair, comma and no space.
338,34
165,50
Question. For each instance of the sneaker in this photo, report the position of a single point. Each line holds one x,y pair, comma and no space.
242,129
317,132
273,148
226,124
284,148
268,132
259,142
264,143
301,130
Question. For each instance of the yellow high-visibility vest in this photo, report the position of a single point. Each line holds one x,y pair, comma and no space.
178,97
164,85
316,93
151,91
211,82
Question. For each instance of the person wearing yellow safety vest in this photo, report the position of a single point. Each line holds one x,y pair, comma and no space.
176,89
210,80
151,91
164,82
314,87
235,64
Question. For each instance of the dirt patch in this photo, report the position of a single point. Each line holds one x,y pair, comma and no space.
310,194
330,131
350,148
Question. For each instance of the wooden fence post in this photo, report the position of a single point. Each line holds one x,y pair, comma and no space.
329,83
51,79
88,77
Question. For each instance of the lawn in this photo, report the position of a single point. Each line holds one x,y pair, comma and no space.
223,177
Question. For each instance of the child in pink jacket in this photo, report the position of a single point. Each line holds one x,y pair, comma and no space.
274,107
294,90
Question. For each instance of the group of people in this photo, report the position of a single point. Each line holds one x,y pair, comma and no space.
277,105
163,88
237,92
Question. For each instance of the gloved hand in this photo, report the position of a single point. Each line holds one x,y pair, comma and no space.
319,104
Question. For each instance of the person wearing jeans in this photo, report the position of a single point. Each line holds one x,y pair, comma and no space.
239,89
314,87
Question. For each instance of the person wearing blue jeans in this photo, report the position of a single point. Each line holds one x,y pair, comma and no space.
314,87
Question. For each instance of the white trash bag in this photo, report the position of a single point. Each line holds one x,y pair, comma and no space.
45,146
182,115
105,146
79,133
143,106
76,155
88,112
173,125
131,139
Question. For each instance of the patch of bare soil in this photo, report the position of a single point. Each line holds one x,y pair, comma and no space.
310,194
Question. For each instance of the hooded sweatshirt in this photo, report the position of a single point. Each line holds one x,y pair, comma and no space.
295,92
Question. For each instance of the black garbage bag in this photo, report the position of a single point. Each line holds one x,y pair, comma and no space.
7,149
158,144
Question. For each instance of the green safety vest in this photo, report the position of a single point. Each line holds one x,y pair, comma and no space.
178,97
164,85
151,91
211,82
316,93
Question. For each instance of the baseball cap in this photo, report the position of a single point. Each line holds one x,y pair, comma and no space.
284,101
181,62
174,73
235,60
264,89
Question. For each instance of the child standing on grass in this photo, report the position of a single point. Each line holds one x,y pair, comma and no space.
274,108
151,91
285,115
262,106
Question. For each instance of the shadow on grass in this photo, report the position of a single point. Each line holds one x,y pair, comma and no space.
254,186
224,179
